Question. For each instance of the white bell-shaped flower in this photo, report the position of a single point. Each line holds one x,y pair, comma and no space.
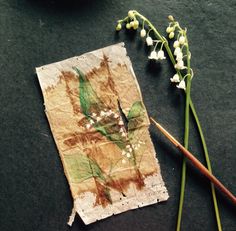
182,40
176,44
143,33
153,55
161,55
177,50
149,41
175,79
179,56
180,65
181,85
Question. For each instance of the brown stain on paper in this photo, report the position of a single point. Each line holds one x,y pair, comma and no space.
82,138
106,89
71,83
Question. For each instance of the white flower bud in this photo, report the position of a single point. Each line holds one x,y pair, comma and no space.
143,33
131,24
131,14
118,27
177,50
149,41
161,55
171,35
171,18
175,79
181,85
136,24
128,26
182,40
169,29
176,44
179,56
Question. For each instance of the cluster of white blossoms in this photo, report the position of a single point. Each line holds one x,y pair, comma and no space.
174,31
95,118
155,55
178,46
129,149
133,23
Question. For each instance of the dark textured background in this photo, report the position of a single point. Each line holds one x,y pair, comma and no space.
34,194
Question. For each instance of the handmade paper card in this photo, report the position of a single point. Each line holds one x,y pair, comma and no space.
100,125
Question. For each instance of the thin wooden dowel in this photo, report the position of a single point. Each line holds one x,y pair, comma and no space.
196,163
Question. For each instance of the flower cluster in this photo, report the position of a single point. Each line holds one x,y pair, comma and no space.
94,118
175,31
97,117
129,149
133,23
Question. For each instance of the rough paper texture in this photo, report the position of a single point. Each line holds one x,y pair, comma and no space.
100,125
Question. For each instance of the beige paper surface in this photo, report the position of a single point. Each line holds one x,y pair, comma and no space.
109,159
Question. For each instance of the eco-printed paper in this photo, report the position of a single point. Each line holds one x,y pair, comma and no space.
100,125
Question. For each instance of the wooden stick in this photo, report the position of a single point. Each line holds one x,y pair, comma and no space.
196,163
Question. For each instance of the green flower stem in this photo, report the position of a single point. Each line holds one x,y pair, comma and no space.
169,52
208,162
186,139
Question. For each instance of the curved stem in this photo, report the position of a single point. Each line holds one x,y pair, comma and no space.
208,162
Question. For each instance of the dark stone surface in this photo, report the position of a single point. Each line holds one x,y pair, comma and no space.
34,194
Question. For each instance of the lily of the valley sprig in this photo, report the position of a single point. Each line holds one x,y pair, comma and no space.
180,57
